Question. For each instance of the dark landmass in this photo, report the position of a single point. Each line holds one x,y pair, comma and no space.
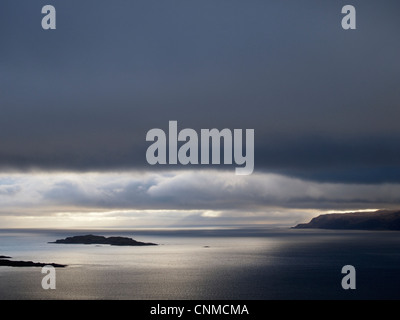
377,220
114,241
4,261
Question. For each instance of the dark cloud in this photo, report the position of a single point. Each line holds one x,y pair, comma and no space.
371,159
324,102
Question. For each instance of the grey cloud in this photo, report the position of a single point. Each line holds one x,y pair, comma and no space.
188,190
67,192
323,102
6,190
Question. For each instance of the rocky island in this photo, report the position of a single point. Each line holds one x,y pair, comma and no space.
5,262
376,220
93,239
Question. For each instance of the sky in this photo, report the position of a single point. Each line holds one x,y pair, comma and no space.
76,104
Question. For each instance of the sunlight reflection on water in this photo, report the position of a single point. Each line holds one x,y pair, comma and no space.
280,264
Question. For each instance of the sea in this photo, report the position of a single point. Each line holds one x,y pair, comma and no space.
205,264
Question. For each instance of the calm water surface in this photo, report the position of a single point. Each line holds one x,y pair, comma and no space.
206,264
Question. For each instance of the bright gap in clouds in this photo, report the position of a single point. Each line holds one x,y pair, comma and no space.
134,199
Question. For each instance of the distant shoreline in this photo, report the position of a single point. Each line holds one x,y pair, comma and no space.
5,262
380,220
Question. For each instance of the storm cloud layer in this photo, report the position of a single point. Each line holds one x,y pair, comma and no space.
177,198
324,102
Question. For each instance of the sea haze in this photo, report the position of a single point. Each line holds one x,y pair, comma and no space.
205,264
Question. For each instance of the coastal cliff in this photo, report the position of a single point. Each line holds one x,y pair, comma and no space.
377,220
